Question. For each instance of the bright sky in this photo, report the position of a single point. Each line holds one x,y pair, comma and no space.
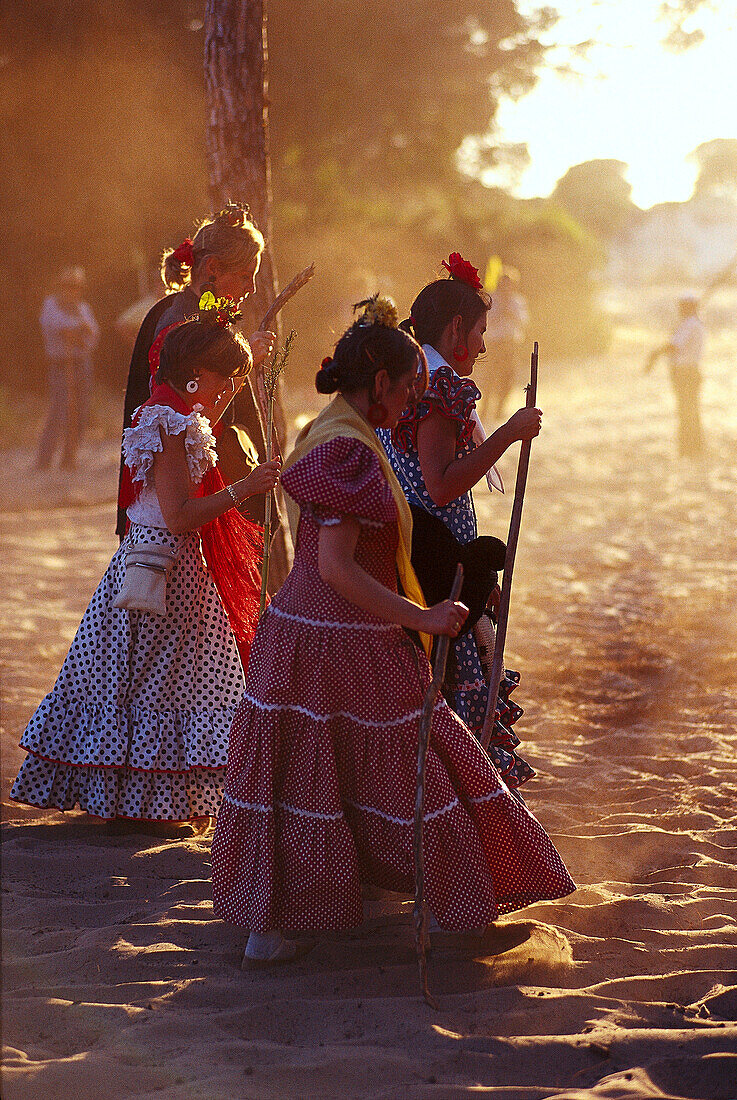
632,100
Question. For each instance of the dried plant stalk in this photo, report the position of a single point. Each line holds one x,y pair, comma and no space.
272,374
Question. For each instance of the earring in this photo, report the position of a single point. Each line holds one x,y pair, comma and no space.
192,386
460,356
376,414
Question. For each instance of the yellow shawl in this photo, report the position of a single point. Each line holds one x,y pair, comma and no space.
341,419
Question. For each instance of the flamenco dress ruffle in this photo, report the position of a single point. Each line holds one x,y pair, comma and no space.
320,789
137,723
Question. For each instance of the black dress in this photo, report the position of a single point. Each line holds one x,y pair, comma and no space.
167,311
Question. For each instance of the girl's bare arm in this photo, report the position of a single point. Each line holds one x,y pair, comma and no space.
448,477
183,513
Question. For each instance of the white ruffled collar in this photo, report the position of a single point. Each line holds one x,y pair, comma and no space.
142,442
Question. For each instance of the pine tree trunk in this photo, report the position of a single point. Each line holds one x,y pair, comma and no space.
237,121
236,85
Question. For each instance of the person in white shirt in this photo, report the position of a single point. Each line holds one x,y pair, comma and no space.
685,350
70,335
505,336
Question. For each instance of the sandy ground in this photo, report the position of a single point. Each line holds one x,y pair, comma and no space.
119,982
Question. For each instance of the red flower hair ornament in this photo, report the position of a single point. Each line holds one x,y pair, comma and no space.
183,254
462,270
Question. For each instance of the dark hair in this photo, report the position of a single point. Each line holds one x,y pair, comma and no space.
231,235
439,302
202,345
365,349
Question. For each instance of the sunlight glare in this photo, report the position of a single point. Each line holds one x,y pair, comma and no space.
630,99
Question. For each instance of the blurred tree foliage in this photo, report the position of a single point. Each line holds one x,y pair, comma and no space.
104,157
717,161
597,195
675,14
378,98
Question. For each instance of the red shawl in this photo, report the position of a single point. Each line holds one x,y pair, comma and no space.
232,545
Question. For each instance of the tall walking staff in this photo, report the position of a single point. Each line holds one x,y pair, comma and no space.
419,911
514,526
271,379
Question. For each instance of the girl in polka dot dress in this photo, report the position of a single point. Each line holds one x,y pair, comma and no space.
320,789
137,724
438,451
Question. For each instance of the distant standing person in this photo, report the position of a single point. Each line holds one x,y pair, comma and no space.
70,334
505,336
685,350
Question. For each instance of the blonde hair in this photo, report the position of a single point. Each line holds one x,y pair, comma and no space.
231,236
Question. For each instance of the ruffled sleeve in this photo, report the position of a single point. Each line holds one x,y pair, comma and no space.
342,477
143,441
453,397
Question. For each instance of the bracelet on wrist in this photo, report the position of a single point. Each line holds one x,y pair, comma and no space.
233,495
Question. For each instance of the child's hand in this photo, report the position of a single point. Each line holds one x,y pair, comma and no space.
444,618
525,423
261,480
262,345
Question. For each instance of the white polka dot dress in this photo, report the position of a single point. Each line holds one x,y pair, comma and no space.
137,723
466,687
320,788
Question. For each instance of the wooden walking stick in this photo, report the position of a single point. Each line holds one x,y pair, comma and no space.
271,377
514,525
419,911
266,322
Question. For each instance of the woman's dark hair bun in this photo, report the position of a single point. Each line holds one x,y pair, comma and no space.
371,344
326,379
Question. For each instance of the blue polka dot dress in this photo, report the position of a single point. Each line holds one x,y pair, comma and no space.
455,399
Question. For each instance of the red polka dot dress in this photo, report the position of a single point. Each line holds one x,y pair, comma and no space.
320,786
